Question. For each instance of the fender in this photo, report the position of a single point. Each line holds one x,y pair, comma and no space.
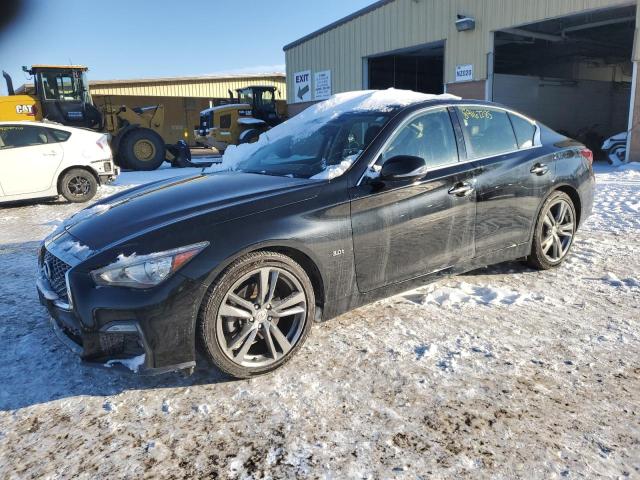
554,188
265,245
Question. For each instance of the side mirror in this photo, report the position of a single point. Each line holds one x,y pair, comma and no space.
403,167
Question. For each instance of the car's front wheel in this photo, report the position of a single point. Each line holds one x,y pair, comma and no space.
554,233
257,315
78,185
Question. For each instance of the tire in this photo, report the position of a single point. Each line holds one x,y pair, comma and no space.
229,341
78,185
554,232
249,136
616,155
142,149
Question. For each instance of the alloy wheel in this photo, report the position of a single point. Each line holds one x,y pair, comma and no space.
558,230
79,186
261,317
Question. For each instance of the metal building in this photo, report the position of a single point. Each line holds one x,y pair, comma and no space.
570,63
182,97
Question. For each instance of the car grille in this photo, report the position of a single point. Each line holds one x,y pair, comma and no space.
56,274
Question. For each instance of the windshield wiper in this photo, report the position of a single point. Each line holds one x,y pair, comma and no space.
264,172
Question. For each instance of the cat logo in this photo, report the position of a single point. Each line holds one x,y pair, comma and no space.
25,109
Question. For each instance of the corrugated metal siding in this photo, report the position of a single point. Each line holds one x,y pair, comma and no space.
406,23
205,88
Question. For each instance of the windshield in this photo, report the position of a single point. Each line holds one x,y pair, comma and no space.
65,86
318,149
245,96
265,101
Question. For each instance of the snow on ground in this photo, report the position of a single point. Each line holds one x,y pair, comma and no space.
504,372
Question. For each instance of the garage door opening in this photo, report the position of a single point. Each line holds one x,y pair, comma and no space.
573,73
420,69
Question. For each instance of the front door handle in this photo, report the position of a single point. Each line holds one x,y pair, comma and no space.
539,169
462,189
50,154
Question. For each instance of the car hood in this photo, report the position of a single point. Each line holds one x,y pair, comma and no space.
220,196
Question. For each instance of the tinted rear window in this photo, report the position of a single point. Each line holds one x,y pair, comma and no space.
525,131
487,131
59,135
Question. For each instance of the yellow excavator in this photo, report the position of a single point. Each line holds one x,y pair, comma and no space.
61,94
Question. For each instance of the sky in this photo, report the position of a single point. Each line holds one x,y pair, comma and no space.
120,39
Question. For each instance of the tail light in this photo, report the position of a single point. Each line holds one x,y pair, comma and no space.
587,154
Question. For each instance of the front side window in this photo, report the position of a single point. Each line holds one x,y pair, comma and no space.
16,136
487,131
429,136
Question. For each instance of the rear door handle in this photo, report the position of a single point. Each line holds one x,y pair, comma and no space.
50,154
539,169
462,189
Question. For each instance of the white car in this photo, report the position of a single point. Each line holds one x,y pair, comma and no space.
616,148
42,159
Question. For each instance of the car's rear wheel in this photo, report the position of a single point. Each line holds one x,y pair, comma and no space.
78,185
555,230
257,315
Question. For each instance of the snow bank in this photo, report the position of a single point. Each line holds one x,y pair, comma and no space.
321,113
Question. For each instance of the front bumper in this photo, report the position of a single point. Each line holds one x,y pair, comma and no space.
150,339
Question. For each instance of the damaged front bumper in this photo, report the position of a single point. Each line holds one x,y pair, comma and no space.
134,339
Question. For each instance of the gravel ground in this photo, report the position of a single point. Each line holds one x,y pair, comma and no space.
504,372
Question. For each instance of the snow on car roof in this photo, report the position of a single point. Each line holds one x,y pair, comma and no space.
324,112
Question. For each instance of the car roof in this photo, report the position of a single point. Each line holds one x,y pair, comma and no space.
460,101
454,102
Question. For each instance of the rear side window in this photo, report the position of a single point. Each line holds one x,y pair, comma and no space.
59,135
16,136
488,131
525,131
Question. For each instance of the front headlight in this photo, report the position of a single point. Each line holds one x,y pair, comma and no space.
145,271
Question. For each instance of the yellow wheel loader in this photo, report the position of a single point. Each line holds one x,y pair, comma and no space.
252,112
62,96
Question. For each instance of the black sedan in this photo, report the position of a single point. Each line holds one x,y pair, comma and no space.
344,204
